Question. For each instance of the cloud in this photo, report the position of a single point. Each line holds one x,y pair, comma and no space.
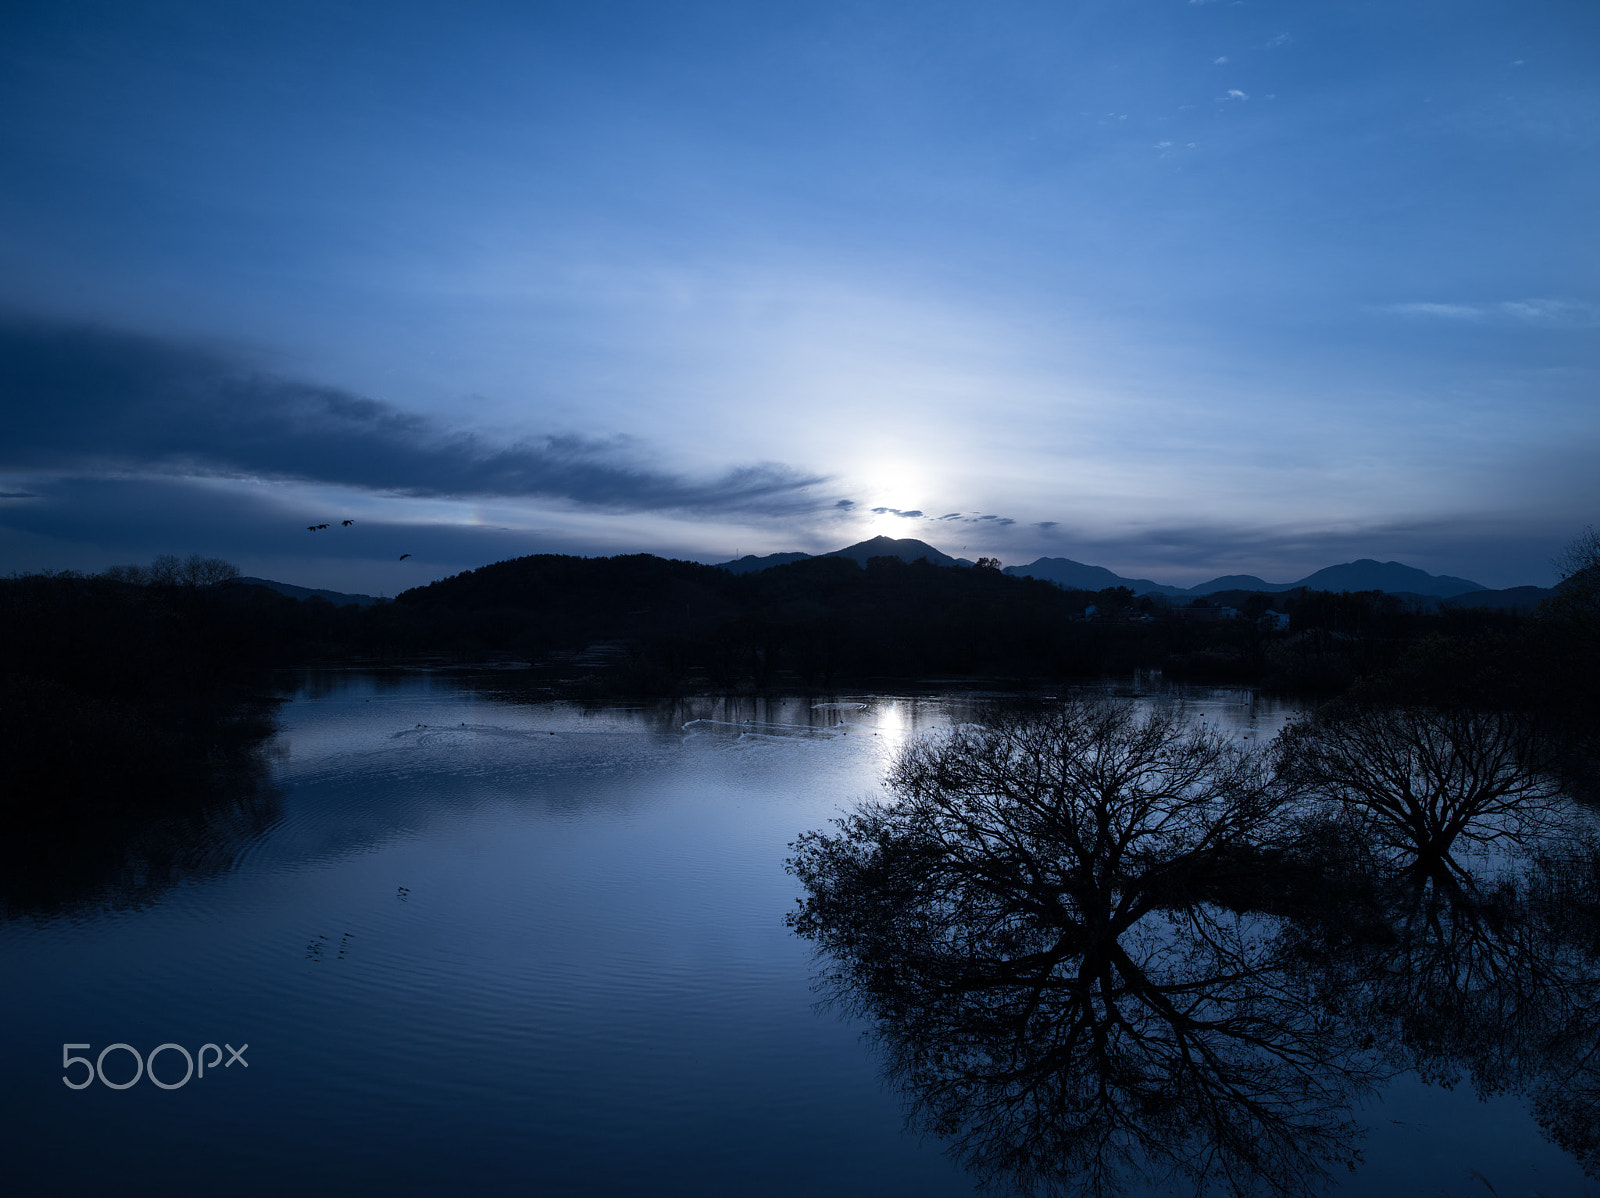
1553,311
1220,61
894,511
963,518
1557,313
1047,524
1447,311
1235,94
17,495
87,523
1283,39
88,400
845,505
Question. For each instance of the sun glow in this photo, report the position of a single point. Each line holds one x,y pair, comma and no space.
896,489
887,524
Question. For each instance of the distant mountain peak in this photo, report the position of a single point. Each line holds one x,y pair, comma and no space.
1368,574
1065,572
750,563
907,549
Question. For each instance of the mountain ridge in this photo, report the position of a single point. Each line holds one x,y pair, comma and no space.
1363,574
337,598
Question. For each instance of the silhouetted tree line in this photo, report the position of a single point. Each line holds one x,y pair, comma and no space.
826,621
168,569
823,622
1099,948
183,628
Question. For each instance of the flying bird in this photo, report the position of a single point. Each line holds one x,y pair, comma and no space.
320,527
403,556
311,528
347,523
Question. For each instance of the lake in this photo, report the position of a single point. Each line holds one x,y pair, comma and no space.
482,945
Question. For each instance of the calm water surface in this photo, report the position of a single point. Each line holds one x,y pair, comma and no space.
484,946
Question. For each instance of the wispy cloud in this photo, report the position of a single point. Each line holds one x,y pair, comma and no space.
1553,312
1235,94
1220,60
89,522
961,518
1446,311
89,400
1283,39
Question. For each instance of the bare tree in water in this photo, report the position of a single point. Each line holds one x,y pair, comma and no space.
1032,920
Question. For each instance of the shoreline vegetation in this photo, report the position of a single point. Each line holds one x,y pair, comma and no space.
132,724
144,695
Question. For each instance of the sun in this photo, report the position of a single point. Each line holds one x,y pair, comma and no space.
895,487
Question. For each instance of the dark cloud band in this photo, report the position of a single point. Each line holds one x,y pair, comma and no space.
78,398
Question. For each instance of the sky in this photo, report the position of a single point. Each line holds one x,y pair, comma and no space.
1177,287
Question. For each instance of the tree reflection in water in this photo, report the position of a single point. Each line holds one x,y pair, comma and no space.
1024,923
1487,968
1566,1102
126,845
1495,979
1099,948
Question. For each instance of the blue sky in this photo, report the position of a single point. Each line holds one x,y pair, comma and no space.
1177,288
